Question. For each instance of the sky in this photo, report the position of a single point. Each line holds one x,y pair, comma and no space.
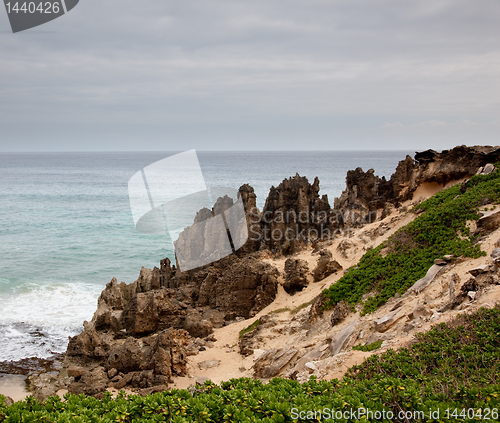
162,75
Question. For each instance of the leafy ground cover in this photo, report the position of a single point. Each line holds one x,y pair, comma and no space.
405,257
450,373
370,347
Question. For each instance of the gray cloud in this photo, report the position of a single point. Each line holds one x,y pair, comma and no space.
154,75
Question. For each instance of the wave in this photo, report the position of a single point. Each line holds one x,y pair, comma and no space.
37,318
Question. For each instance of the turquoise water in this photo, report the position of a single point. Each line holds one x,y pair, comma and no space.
66,228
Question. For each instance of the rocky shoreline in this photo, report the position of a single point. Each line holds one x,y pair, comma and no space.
142,334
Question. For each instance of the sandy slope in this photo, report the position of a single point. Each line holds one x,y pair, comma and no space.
281,333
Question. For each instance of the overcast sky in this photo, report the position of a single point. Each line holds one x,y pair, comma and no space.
253,75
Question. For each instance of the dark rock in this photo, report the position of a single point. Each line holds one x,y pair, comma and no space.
340,312
126,357
152,311
296,271
295,215
316,310
326,266
366,193
488,222
196,326
91,383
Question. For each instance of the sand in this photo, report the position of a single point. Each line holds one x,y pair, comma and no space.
13,386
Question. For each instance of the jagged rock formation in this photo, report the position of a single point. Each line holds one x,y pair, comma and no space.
368,197
163,300
294,215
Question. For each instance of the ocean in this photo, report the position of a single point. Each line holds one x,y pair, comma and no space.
66,228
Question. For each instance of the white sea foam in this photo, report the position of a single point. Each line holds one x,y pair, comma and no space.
36,319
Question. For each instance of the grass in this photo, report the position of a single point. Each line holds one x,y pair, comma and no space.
249,328
279,310
301,307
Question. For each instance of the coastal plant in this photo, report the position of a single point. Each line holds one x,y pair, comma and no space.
463,353
439,229
451,368
369,347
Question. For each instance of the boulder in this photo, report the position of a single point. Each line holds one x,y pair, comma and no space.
196,325
152,311
126,357
340,312
427,279
294,215
296,271
385,322
273,362
479,270
489,221
92,383
76,371
326,265
208,364
340,339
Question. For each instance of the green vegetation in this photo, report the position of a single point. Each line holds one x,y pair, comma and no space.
452,367
370,347
249,328
448,358
405,257
279,310
301,307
